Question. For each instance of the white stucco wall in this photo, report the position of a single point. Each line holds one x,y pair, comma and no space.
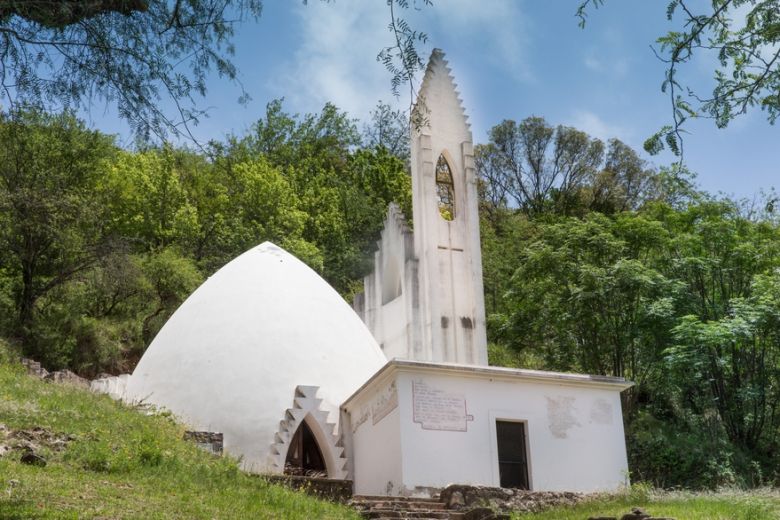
231,357
389,304
450,264
574,433
374,437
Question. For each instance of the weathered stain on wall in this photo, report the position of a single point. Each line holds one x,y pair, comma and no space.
561,415
601,412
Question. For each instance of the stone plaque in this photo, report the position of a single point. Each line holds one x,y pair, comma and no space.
435,409
384,403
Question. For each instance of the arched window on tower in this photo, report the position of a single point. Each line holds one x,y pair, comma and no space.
445,189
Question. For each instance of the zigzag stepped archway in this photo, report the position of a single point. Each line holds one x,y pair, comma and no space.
306,408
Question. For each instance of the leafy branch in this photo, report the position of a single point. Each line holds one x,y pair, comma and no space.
748,55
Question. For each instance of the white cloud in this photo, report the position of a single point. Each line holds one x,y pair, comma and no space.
336,57
593,63
616,66
499,28
597,127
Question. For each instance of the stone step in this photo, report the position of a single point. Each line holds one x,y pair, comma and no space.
399,505
379,498
389,513
453,516
377,507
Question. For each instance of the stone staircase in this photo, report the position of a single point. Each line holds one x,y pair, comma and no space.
380,507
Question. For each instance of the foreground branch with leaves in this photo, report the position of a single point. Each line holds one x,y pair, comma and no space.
744,35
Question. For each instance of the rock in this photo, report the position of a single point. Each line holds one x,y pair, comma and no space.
67,377
4,449
481,513
34,368
501,499
635,514
456,500
32,458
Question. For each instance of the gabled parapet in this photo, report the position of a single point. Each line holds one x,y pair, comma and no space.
389,302
439,98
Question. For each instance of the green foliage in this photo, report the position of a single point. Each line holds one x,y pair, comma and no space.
743,34
542,169
388,129
100,245
50,225
695,453
130,52
343,191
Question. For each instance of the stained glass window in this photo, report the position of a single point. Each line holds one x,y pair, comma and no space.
445,189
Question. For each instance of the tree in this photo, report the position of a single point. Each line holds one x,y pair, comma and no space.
726,339
51,226
389,129
625,182
343,190
585,297
744,34
135,53
131,52
533,165
683,301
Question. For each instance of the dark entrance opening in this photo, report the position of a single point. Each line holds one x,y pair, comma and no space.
304,456
512,456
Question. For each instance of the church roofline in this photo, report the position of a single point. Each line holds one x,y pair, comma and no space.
517,374
438,64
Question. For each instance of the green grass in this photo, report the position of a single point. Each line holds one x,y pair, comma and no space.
722,505
125,464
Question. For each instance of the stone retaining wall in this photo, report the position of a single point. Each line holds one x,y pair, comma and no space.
462,498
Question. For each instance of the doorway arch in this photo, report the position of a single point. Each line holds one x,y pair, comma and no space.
304,456
306,413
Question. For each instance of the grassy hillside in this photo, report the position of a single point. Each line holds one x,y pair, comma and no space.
722,505
104,460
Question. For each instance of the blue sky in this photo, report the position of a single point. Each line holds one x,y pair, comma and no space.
511,59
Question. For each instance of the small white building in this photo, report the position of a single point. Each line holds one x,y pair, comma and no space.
439,424
268,354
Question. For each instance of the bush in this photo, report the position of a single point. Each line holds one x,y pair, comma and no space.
675,454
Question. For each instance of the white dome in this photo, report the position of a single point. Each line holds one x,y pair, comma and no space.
230,358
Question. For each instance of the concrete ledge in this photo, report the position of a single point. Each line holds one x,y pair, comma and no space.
488,372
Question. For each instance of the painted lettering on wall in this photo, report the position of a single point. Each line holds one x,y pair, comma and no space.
436,409
384,403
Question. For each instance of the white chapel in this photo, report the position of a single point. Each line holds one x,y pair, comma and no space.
395,392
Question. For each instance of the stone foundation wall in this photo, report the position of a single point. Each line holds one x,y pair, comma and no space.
209,441
466,498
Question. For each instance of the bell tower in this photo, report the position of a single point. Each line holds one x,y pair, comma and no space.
446,223
424,300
